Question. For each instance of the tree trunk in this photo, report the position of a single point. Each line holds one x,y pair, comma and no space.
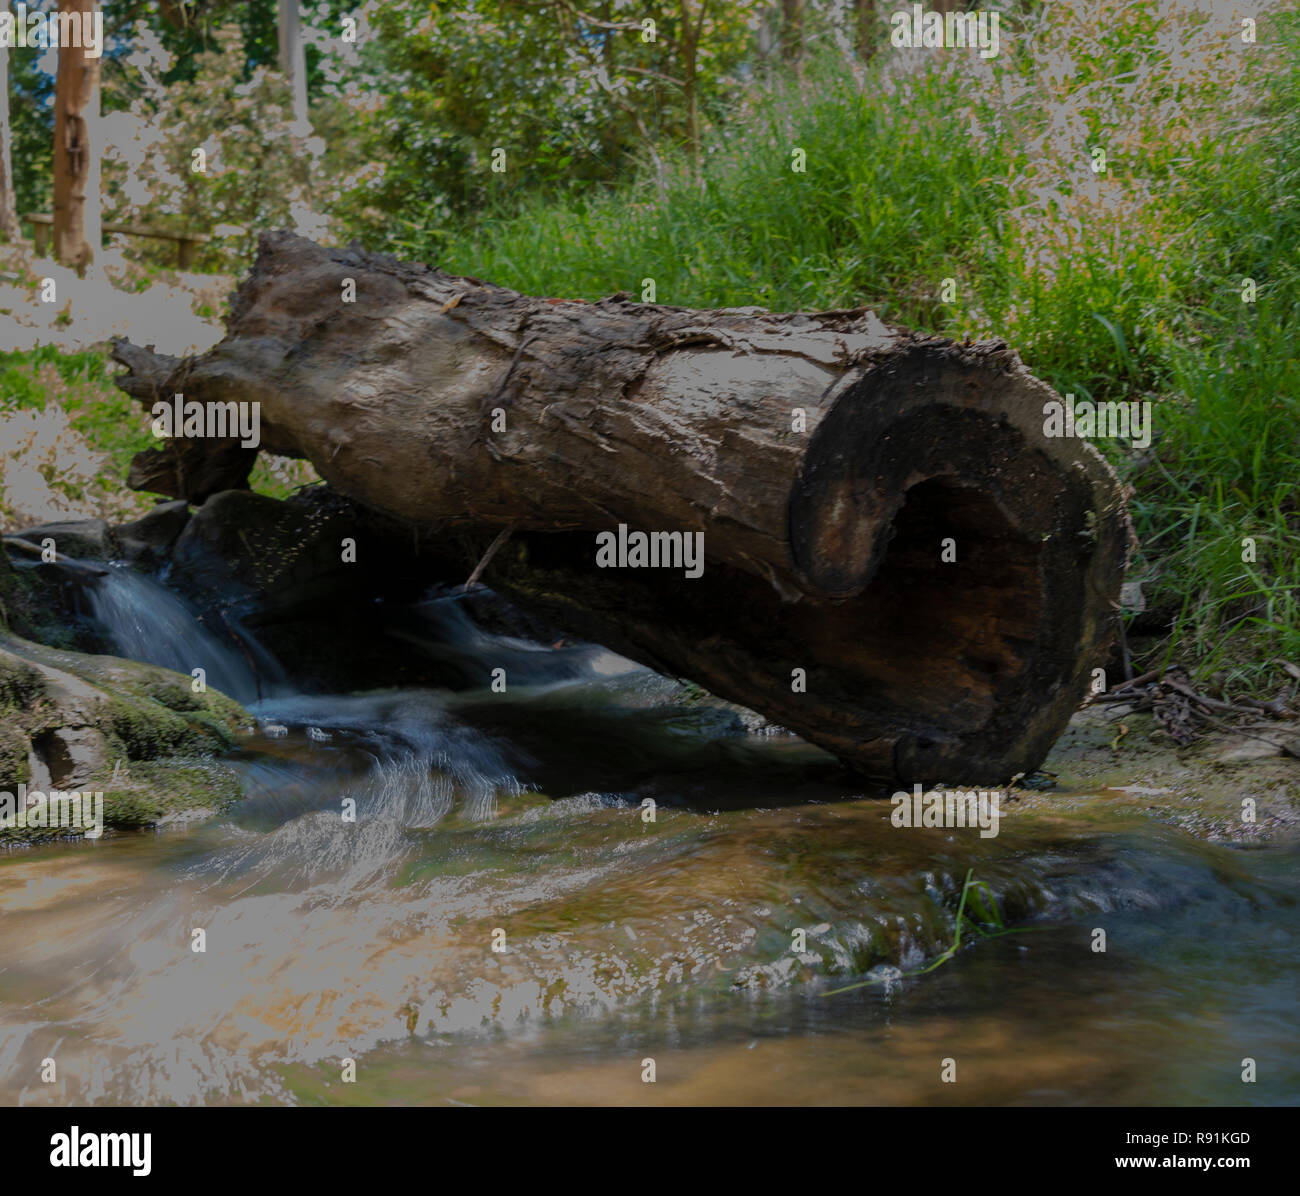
900,565
792,31
293,62
866,34
9,229
688,57
77,229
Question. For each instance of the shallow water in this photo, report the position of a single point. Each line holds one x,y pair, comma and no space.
626,939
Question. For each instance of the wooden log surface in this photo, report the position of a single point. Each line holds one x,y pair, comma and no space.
899,564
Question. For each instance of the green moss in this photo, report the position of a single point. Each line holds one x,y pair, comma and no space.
176,696
147,730
21,685
162,736
144,793
32,605
14,746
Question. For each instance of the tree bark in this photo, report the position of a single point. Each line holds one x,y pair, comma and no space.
900,565
864,28
77,230
792,36
688,56
9,229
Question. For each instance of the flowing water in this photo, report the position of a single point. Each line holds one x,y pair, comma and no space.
147,622
543,889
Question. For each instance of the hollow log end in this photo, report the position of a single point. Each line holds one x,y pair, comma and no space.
973,562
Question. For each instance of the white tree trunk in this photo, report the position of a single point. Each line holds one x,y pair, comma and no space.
8,203
293,62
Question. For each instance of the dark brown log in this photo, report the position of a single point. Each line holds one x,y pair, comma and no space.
823,535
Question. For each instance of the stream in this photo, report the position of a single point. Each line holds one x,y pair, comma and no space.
643,866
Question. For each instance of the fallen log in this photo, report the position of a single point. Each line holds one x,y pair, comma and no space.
899,564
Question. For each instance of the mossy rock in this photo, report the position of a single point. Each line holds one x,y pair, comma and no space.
148,730
161,735
14,746
177,696
147,793
20,684
34,604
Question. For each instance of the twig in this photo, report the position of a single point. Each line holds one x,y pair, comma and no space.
1134,682
502,536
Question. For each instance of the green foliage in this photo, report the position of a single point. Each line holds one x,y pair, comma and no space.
81,381
257,173
1230,460
31,122
114,427
570,92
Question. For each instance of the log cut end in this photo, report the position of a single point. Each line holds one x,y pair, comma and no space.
969,563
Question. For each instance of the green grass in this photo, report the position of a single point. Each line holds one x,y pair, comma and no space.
113,426
109,420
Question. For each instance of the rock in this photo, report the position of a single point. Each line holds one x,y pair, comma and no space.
81,539
273,558
500,616
1247,749
310,577
134,731
38,603
73,755
146,542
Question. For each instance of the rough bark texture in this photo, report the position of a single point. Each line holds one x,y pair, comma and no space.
824,534
77,231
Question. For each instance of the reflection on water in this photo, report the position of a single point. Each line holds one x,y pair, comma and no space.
485,820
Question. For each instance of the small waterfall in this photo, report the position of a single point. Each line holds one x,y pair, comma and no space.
147,622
